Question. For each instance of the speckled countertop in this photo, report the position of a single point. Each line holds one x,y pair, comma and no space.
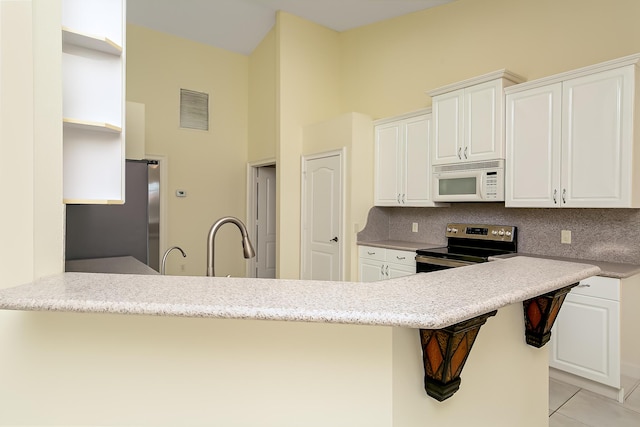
400,245
427,300
608,269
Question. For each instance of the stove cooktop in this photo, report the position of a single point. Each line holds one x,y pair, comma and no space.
475,242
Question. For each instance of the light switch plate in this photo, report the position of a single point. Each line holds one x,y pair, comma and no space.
414,227
565,237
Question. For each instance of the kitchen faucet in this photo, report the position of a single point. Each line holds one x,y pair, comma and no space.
247,249
164,257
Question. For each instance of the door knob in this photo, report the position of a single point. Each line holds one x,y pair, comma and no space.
335,239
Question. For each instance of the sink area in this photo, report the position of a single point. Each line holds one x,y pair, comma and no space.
119,265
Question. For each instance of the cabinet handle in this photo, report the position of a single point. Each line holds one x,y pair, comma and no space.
382,269
403,199
583,285
564,195
371,253
387,271
465,152
555,195
459,153
399,198
400,257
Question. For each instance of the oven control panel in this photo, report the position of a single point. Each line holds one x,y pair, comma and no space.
501,233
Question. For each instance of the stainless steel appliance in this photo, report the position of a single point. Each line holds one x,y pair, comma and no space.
469,182
468,244
130,229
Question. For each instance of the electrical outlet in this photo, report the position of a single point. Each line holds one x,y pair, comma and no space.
414,227
565,237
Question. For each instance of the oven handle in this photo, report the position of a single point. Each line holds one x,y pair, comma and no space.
442,261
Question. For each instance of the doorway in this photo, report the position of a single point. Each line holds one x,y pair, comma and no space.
262,219
322,216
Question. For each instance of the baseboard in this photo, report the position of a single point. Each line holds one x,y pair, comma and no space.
601,389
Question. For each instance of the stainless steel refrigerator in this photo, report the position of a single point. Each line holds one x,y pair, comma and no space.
130,229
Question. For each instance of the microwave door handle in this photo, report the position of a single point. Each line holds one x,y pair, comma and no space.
481,189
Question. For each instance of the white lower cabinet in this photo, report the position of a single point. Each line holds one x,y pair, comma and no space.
381,263
585,340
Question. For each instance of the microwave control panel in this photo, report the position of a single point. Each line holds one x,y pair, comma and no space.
491,185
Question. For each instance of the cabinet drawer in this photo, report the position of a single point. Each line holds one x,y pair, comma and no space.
599,287
401,257
371,252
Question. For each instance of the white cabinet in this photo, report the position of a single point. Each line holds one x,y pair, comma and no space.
570,139
468,119
402,164
381,263
585,339
93,73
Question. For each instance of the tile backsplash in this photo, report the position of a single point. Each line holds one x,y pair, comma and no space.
611,235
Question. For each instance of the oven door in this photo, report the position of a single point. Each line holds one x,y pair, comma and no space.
425,264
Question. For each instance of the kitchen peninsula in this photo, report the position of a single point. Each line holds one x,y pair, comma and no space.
334,353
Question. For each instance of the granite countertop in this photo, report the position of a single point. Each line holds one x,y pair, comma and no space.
124,264
615,270
401,245
426,300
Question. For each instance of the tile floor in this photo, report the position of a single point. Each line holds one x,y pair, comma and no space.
571,406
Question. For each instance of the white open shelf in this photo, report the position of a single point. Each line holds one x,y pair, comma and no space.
90,41
93,88
89,125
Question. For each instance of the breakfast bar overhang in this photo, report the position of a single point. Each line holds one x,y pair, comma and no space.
335,353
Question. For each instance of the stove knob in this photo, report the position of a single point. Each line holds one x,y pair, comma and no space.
448,229
507,233
494,232
454,230
501,232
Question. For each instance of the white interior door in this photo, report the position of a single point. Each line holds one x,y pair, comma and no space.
266,222
322,218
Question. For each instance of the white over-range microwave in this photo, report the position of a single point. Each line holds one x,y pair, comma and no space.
469,182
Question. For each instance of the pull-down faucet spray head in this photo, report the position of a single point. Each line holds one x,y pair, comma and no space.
247,248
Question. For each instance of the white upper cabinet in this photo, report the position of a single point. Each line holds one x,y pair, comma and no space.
570,139
468,119
402,164
93,73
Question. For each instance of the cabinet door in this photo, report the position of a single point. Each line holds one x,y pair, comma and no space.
533,147
483,112
447,128
393,270
371,270
416,161
387,163
597,139
586,339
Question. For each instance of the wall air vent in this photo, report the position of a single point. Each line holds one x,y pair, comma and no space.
194,110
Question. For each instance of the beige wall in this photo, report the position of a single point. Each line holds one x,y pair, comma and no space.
308,78
208,165
262,100
30,141
388,66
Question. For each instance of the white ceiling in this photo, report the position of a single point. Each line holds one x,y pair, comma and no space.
240,25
